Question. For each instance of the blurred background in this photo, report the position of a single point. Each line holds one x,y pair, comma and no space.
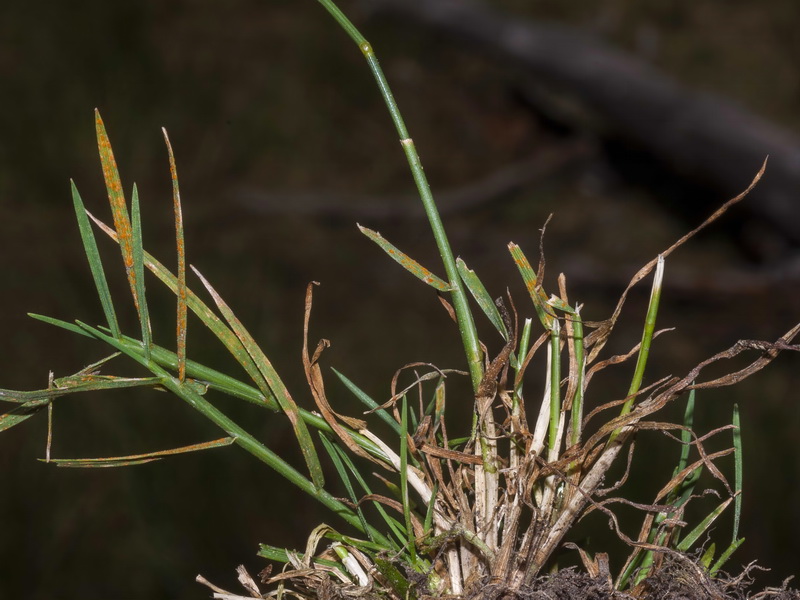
282,145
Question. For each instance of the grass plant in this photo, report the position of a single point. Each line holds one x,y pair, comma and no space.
461,511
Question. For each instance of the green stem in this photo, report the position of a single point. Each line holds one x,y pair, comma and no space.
644,347
577,401
555,392
466,325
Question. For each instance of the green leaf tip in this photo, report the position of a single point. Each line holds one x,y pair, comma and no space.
481,296
738,471
139,298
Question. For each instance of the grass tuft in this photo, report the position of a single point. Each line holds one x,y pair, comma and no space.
494,502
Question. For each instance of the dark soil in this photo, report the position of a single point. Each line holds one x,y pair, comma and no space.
679,579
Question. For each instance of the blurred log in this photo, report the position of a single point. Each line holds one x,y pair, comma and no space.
705,138
504,182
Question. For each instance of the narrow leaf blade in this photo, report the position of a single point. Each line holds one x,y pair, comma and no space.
95,264
270,380
482,297
21,413
59,323
537,294
369,402
138,270
138,459
116,199
738,471
404,479
687,542
181,291
345,478
405,261
723,558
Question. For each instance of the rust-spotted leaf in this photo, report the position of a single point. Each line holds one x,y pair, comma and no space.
116,198
538,296
407,262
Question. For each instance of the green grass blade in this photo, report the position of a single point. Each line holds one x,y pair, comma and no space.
723,558
428,524
382,413
405,261
708,556
270,380
281,555
482,297
555,389
524,345
686,435
21,412
344,477
738,471
274,553
574,324
580,360
400,585
404,480
62,324
181,291
692,537
647,339
642,569
647,334
95,264
138,459
138,270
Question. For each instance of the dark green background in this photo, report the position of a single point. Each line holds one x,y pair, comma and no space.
271,96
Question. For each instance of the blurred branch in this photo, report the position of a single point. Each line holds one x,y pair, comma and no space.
689,281
495,186
704,138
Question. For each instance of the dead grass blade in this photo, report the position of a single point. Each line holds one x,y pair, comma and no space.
138,459
315,383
